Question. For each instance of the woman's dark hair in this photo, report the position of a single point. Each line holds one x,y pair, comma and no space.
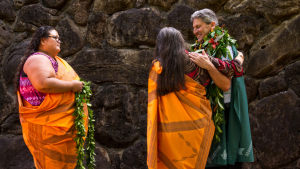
41,32
170,52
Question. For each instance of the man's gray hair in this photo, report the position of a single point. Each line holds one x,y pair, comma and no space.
206,15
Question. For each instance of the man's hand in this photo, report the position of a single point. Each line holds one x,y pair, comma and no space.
201,60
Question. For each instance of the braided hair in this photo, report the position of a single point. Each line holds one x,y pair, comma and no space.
41,32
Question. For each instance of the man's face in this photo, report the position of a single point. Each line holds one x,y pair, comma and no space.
201,29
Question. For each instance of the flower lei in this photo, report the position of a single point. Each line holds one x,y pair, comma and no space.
215,44
81,98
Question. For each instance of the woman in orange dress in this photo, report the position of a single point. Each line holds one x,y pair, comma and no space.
45,86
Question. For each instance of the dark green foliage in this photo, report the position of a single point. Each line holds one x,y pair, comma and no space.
81,98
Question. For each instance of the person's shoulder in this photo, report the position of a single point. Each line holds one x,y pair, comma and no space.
38,58
36,62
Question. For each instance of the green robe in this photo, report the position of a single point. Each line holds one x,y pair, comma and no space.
238,145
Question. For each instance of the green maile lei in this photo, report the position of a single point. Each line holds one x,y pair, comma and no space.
215,44
81,98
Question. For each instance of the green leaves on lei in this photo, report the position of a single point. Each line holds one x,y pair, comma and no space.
215,97
81,98
215,44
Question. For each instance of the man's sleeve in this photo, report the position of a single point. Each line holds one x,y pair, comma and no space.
228,67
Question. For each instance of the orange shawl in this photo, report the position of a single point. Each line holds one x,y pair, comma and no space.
179,126
48,129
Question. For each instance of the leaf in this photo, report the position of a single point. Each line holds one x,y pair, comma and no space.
192,48
223,50
221,106
229,55
220,94
217,138
199,51
205,43
212,34
218,32
216,99
216,121
214,54
219,129
232,41
208,52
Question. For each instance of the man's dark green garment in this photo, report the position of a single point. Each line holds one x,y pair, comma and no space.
236,142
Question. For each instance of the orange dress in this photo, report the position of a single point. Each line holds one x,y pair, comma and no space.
179,126
48,129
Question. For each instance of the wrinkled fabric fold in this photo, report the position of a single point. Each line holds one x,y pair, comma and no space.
48,129
179,125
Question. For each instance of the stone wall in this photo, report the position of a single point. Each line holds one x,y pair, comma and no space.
111,43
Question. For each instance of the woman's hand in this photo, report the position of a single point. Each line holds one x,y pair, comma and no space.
204,62
240,57
77,86
201,60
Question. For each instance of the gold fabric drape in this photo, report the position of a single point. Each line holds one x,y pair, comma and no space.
179,126
48,129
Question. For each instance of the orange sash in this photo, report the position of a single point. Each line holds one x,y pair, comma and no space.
179,126
48,129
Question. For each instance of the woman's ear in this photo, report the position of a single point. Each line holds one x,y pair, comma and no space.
42,41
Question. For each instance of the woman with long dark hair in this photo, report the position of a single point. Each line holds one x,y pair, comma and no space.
179,125
45,86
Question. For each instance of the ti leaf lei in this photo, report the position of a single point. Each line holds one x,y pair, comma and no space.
215,44
81,98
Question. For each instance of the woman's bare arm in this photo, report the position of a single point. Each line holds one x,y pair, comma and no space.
42,76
